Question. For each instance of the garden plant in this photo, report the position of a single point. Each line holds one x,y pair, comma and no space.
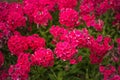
60,40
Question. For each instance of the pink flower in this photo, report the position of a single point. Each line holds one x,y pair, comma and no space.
4,11
99,25
15,17
34,41
18,72
103,7
73,61
58,32
4,75
101,68
86,7
79,58
65,51
109,72
69,18
118,41
17,44
4,31
66,3
99,38
24,59
22,68
42,17
48,4
43,57
89,20
116,77
98,50
77,38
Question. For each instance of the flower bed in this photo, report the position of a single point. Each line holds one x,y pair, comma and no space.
60,40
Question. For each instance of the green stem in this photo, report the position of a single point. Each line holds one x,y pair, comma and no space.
53,73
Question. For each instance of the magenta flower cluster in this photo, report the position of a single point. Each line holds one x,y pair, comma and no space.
68,46
110,72
31,49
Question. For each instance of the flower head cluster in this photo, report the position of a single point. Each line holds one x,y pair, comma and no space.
38,10
42,17
69,17
115,4
4,74
34,41
18,44
15,16
94,7
3,11
31,49
90,9
99,49
66,48
47,4
43,57
66,3
65,51
109,72
5,33
21,69
91,22
58,32
11,18
77,38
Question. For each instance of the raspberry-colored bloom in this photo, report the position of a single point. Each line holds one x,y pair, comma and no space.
89,20
79,58
48,4
24,58
66,3
109,72
77,38
98,50
65,51
103,7
43,57
98,25
86,7
15,17
34,41
58,32
4,11
21,69
118,41
17,44
38,10
69,17
18,72
4,75
4,31
73,61
116,77
42,17
99,38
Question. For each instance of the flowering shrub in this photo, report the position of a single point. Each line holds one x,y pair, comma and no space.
60,40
